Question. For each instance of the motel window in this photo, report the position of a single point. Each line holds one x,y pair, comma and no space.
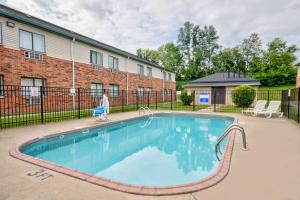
1,39
140,91
113,90
149,92
140,69
96,89
113,63
1,85
169,76
27,84
32,41
96,58
165,76
149,72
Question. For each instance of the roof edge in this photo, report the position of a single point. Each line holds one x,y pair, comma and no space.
72,34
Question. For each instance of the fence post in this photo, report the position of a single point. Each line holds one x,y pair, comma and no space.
137,100
194,94
289,99
268,98
156,100
171,100
148,98
42,103
298,115
215,105
122,100
78,102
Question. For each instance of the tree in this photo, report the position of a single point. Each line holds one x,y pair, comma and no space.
148,54
171,59
251,50
185,41
276,65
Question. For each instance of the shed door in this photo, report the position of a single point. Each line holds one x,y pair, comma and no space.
218,95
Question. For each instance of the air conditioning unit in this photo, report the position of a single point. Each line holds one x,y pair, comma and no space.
97,67
33,55
113,70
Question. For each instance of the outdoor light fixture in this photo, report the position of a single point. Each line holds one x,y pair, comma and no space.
10,24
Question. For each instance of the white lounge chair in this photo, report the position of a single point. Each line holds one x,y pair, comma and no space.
273,108
259,107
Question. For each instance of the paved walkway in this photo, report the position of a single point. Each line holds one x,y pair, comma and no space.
270,169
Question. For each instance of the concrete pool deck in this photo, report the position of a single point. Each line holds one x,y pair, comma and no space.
268,170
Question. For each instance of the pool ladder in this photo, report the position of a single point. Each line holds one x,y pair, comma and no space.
226,132
145,109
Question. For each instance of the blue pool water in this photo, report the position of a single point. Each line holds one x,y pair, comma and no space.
169,149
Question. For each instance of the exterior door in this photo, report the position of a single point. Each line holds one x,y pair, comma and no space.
218,95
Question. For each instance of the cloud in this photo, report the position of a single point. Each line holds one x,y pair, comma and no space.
131,24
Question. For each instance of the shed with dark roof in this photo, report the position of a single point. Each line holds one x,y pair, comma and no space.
217,87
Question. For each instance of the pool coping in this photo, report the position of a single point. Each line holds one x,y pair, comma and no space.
210,181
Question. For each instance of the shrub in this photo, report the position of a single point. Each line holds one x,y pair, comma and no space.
186,99
243,96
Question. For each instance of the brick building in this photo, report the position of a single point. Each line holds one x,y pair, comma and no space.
34,52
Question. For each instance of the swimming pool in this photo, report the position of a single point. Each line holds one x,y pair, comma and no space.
164,151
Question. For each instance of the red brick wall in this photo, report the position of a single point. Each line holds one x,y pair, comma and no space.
58,73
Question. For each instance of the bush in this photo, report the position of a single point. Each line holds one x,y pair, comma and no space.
186,99
243,96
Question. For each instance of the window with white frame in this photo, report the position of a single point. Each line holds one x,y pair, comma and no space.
96,59
169,92
1,85
140,69
113,90
149,92
113,63
96,89
165,76
27,83
169,76
1,39
32,41
149,72
140,91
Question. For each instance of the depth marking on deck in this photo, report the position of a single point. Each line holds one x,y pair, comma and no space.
40,174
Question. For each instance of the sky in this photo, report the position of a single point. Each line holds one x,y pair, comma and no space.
133,24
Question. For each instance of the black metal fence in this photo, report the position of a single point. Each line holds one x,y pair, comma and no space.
21,105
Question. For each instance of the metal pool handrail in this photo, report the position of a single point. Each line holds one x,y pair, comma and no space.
226,132
146,108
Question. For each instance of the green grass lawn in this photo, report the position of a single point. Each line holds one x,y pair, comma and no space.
21,120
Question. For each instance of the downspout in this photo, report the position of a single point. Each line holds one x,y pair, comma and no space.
73,70
163,84
127,77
